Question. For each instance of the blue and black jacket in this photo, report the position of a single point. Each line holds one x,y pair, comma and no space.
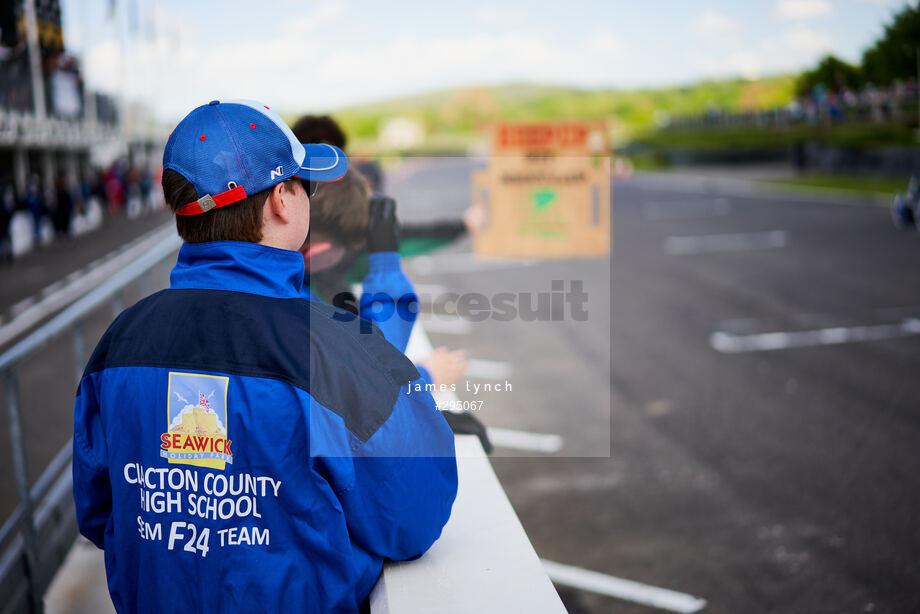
238,448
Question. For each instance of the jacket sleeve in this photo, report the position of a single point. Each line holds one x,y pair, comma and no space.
388,299
397,489
92,490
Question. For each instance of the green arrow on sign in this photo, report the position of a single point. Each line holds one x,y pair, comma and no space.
543,198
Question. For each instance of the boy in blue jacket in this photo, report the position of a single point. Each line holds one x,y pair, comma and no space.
237,447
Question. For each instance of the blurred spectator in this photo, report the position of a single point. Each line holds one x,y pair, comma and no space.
35,203
62,216
7,208
145,185
838,103
322,129
114,189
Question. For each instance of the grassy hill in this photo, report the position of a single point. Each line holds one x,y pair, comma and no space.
450,118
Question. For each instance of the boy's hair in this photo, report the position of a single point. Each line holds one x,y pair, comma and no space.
340,209
241,221
319,129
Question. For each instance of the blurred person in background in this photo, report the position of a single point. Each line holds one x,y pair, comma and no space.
7,209
115,190
134,197
145,185
62,217
35,203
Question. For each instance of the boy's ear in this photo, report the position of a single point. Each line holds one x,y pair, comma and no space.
275,205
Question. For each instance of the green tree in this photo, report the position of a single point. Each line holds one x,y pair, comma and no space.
894,56
831,72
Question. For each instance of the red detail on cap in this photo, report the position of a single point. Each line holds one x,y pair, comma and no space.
265,105
252,125
202,137
220,200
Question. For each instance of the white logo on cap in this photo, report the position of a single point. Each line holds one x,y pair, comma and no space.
277,172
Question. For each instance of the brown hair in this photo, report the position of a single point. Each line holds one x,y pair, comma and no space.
319,129
340,209
240,221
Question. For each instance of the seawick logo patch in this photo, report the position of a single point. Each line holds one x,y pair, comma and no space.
196,412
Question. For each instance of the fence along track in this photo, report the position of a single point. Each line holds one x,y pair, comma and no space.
37,536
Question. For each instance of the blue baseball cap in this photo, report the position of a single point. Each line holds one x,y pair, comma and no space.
231,150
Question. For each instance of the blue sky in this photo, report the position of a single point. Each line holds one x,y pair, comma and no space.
322,55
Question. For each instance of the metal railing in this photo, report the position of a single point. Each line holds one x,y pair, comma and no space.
36,537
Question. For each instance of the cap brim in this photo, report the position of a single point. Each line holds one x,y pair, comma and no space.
322,162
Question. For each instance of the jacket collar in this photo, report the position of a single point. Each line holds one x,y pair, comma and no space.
239,267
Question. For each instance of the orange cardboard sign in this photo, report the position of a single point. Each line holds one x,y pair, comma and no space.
550,138
547,192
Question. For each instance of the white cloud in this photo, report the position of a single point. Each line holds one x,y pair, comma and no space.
604,45
808,40
712,22
184,70
326,14
492,16
791,50
802,9
747,64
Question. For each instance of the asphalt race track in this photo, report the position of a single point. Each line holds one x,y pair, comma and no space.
738,411
763,480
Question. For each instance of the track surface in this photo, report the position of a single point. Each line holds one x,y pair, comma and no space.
763,481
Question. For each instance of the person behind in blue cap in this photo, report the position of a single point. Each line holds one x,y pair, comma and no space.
238,447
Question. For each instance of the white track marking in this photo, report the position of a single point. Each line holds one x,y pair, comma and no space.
619,588
488,369
74,275
732,242
51,289
524,440
728,343
21,306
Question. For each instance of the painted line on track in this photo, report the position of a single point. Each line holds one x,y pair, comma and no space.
628,590
728,343
524,440
488,369
21,306
731,242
